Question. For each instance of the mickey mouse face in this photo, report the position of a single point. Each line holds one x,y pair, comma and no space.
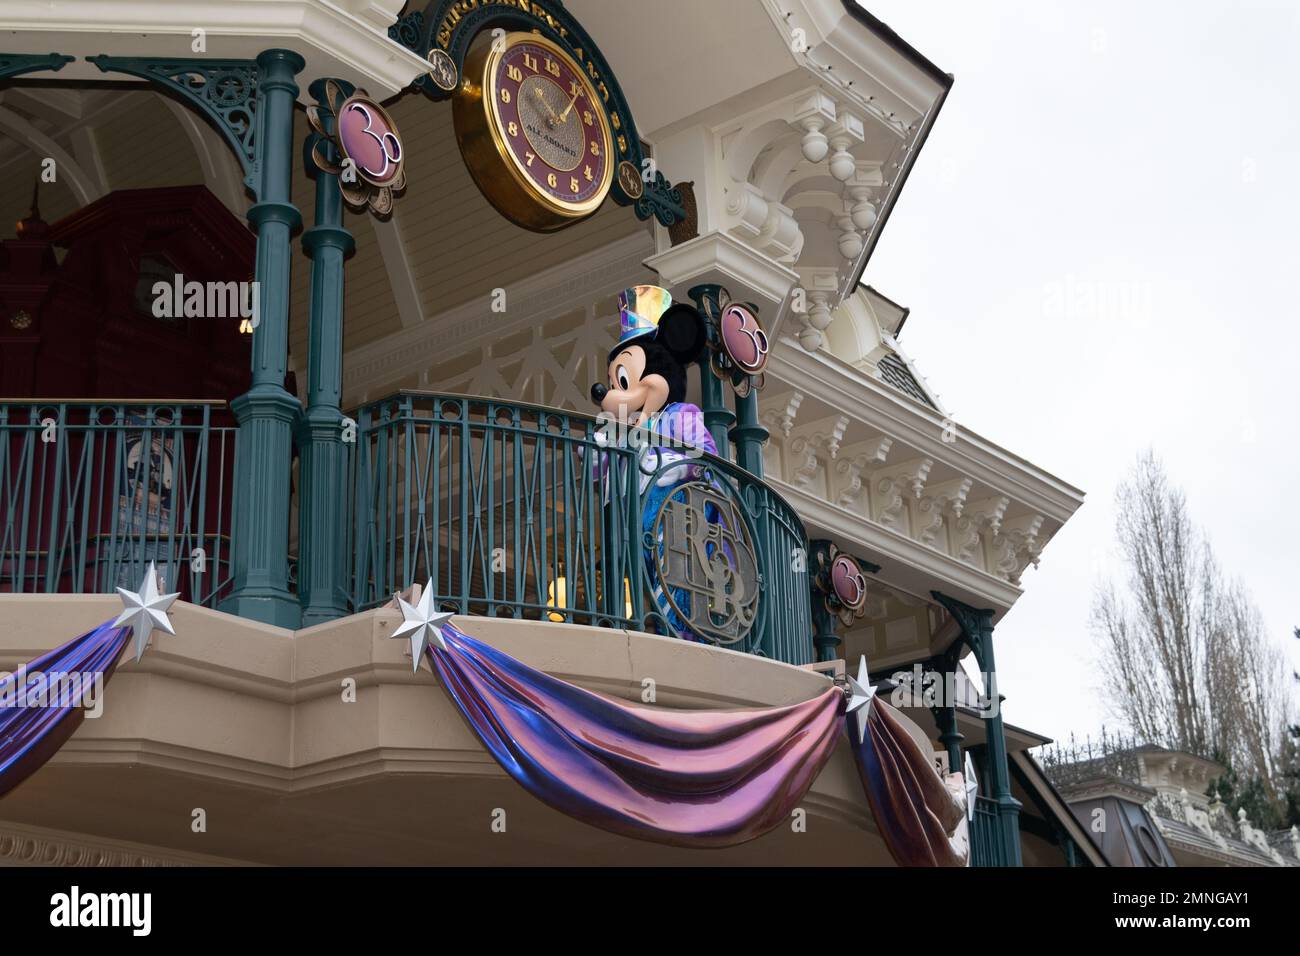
633,394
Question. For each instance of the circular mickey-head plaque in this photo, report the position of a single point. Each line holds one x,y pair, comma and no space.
368,136
848,582
743,339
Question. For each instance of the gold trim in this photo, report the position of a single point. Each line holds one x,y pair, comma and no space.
493,165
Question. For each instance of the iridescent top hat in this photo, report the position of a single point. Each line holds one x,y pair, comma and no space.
639,310
647,312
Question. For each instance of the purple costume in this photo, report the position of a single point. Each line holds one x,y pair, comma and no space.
681,426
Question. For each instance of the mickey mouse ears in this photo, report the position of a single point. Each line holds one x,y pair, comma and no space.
647,311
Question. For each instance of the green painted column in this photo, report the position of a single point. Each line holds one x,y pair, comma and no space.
718,418
266,412
749,435
321,455
977,630
946,713
826,638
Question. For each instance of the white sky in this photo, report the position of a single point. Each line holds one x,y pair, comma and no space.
1099,247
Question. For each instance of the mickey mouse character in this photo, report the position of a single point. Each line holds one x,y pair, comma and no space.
658,341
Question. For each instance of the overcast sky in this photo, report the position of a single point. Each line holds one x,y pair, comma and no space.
1099,247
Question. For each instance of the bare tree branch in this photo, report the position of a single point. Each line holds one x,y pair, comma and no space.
1185,658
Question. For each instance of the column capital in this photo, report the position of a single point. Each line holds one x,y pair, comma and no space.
722,259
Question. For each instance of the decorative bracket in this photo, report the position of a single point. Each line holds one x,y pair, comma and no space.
226,91
16,64
976,627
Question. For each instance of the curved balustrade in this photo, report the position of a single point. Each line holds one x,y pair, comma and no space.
92,491
524,511
986,839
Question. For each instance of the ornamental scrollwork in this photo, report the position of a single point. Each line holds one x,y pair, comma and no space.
224,90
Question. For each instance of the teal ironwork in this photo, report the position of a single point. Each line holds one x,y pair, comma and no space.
322,590
987,843
945,714
718,418
266,412
407,31
251,103
661,199
16,64
977,632
743,426
826,605
826,636
497,503
228,92
748,434
92,491
419,31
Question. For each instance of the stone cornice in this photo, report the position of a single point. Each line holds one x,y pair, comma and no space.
22,845
844,53
347,39
1098,787
884,409
905,563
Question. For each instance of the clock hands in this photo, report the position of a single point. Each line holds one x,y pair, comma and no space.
542,96
557,120
565,114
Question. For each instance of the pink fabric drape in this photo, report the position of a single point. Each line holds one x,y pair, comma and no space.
699,778
921,815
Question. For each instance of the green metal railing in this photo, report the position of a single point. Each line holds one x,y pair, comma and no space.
496,502
91,491
986,843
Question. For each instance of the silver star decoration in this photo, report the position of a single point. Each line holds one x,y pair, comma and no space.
145,609
861,691
972,788
422,625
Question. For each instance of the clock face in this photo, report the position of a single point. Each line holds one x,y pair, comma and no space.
547,118
549,163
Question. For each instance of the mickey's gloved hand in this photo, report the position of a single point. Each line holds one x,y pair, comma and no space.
673,475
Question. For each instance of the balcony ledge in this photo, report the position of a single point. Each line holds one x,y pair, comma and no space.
247,721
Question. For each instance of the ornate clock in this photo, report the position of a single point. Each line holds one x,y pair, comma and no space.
533,131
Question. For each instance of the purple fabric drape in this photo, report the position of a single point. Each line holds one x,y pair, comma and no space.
30,735
921,818
685,778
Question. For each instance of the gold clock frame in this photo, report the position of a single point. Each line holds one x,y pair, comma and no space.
494,167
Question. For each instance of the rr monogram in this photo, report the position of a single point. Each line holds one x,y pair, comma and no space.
711,560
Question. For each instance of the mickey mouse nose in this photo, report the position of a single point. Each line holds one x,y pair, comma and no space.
598,392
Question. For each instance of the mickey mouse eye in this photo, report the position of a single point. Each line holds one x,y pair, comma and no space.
621,378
